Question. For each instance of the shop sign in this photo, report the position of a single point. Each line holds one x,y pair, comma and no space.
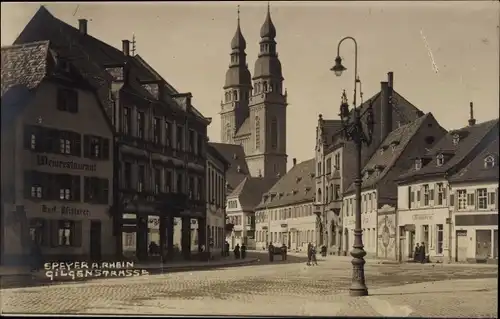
65,211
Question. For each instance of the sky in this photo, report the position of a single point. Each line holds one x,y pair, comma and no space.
188,43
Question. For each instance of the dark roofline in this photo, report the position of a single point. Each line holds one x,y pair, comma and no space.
213,151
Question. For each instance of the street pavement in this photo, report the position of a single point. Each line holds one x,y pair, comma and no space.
278,288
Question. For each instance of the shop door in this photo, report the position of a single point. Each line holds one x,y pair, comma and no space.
462,245
483,244
95,240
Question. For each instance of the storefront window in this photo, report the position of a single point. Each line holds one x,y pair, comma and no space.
439,247
66,233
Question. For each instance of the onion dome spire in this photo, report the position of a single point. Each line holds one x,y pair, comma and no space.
238,41
268,30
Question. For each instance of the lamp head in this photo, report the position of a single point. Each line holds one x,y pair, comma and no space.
338,68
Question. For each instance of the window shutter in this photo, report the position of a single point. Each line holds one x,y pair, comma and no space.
77,238
86,146
431,194
54,233
471,201
46,233
445,198
452,200
74,101
105,148
78,144
60,100
27,137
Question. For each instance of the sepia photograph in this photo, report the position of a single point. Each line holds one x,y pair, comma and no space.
250,158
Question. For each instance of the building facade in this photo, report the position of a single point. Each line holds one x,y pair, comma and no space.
475,208
241,205
217,167
254,114
57,171
285,214
425,199
161,138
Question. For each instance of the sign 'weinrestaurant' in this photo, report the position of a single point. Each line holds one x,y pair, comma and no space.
43,160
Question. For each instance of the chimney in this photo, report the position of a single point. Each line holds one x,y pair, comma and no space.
126,47
82,25
385,110
294,161
390,79
472,120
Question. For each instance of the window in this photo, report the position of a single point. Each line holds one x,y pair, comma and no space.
168,181
140,125
489,162
37,231
441,194
191,141
337,161
200,190
96,190
95,147
492,198
157,180
229,133
127,175
191,189
199,141
156,131
180,138
418,196
141,178
411,197
129,239
439,237
440,160
337,191
482,198
319,169
274,133
370,203
462,199
126,121
257,133
67,100
418,164
329,166
32,136
168,134
180,183
38,185
66,233
426,195
456,139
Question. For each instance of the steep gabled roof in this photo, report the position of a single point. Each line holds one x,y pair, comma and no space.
238,168
296,187
469,138
250,190
477,170
24,64
389,152
244,128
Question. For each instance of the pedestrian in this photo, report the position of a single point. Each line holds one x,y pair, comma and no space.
271,252
35,256
323,251
314,261
226,249
237,251
283,252
423,258
309,251
243,251
416,254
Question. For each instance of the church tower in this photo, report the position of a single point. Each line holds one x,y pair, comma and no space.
234,107
268,108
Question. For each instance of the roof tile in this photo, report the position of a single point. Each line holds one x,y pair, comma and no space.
250,190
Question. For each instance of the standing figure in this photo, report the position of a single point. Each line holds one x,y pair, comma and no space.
314,261
237,251
422,253
226,249
243,251
271,252
416,254
309,251
283,252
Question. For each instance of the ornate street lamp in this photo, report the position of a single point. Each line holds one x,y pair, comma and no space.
360,133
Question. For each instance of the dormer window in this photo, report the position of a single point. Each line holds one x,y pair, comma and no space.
456,139
418,164
440,159
394,145
382,149
489,161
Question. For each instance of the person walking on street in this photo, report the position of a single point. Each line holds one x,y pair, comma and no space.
226,249
243,251
416,254
237,251
36,256
309,251
283,252
314,261
271,252
422,253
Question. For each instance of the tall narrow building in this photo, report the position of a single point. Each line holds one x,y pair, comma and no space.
256,119
237,88
267,107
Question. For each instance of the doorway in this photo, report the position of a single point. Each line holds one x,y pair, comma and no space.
483,244
461,246
95,240
411,244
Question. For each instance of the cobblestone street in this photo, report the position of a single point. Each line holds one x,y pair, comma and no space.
395,290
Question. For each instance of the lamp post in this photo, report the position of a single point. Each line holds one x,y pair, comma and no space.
360,133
